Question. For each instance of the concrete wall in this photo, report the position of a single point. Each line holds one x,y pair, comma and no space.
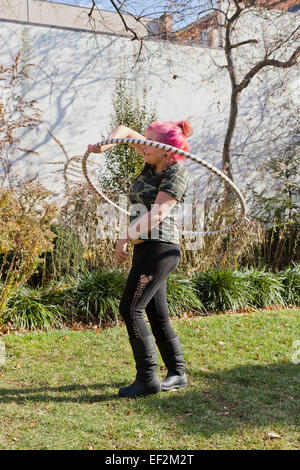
74,75
68,16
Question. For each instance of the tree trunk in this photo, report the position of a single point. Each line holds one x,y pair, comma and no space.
227,147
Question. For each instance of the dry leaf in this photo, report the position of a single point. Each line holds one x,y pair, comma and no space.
273,435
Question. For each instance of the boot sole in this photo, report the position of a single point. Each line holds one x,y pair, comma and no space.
173,387
138,395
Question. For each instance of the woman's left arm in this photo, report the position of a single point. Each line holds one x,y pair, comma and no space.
163,204
160,209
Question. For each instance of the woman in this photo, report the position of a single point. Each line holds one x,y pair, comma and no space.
155,196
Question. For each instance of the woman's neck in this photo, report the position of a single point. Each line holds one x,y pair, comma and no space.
158,168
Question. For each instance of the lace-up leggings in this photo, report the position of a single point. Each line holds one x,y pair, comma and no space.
145,289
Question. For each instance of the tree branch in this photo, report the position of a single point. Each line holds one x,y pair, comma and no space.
268,63
281,43
127,28
249,41
92,9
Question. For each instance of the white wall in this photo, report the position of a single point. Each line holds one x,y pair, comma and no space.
74,74
69,16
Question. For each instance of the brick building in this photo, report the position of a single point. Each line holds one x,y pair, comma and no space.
206,30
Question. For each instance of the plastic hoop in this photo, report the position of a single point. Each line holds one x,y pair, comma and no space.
190,156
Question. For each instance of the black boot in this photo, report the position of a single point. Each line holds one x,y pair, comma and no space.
146,382
172,355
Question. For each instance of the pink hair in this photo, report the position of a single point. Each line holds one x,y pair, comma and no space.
173,133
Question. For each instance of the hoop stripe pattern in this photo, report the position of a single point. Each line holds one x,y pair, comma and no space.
190,156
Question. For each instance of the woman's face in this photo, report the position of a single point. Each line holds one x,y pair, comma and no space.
153,155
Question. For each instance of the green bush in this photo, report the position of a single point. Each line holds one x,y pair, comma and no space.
266,288
182,296
123,163
30,309
221,289
96,295
290,281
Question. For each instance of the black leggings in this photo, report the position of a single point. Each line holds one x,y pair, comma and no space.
145,289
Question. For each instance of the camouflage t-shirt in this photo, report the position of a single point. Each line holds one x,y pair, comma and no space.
173,180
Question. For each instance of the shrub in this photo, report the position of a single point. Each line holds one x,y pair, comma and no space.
28,308
123,163
25,219
220,289
66,258
276,203
182,295
266,288
96,294
277,248
290,281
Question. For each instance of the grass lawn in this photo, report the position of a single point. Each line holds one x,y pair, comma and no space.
58,390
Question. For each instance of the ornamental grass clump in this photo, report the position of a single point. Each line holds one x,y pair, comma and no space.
221,289
30,309
182,296
266,287
96,295
290,281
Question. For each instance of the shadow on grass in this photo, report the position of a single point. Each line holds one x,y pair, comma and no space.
232,399
23,395
214,402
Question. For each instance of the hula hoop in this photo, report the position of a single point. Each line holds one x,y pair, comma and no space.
190,156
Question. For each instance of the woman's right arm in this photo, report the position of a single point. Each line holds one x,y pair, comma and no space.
120,132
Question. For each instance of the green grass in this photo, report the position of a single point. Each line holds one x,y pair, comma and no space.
58,390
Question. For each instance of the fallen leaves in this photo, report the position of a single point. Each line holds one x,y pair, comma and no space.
273,435
18,366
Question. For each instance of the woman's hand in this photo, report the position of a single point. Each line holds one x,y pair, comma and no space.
121,252
120,132
100,148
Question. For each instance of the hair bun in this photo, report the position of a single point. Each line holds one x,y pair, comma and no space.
186,128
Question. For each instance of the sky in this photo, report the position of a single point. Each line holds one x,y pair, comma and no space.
106,4
152,8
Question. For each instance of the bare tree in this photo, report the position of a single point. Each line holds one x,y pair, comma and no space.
272,43
268,59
